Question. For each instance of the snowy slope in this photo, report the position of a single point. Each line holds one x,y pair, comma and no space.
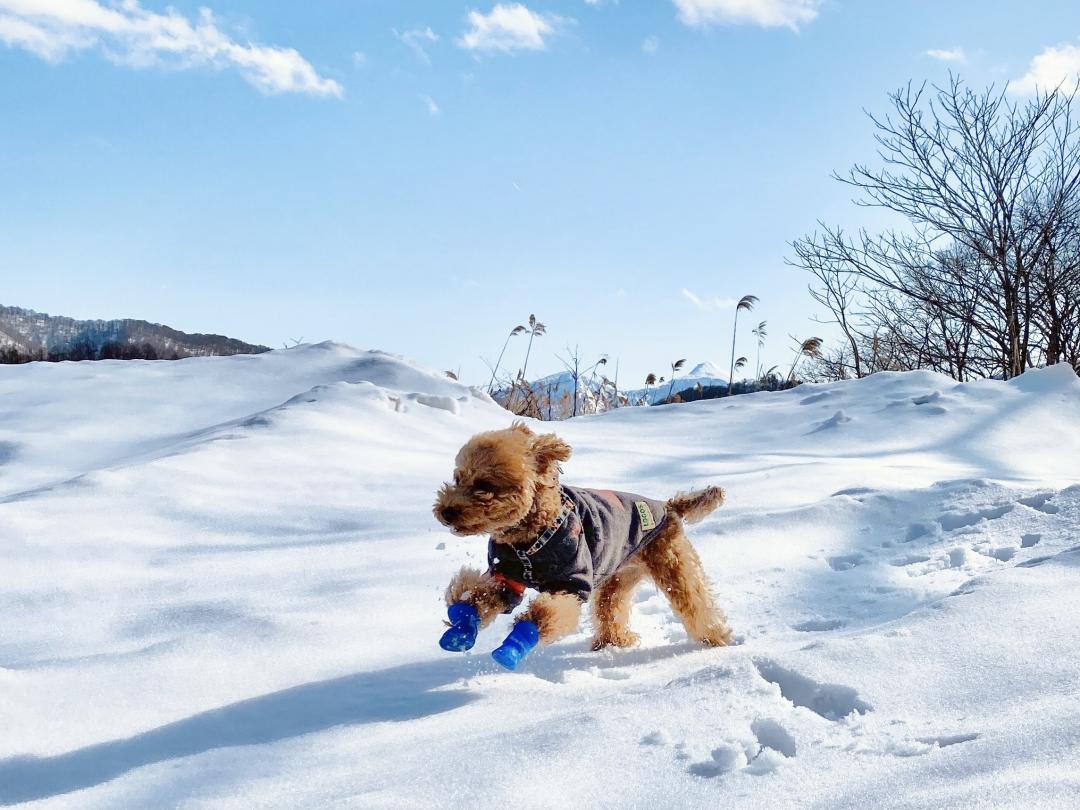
222,588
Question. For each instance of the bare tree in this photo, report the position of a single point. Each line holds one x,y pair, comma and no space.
836,289
990,188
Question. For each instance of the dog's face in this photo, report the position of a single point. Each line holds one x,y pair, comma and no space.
497,477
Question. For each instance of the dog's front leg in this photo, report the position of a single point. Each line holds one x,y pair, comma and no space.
489,595
549,617
474,599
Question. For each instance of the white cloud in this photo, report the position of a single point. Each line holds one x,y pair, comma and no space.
766,13
417,39
650,45
948,55
1052,67
52,46
509,27
708,304
359,58
432,107
129,35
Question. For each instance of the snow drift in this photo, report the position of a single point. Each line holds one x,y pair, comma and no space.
222,588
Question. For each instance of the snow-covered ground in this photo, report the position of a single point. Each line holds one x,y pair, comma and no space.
222,588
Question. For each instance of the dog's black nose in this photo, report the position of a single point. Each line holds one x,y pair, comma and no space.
449,514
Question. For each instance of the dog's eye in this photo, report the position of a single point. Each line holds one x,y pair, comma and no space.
483,486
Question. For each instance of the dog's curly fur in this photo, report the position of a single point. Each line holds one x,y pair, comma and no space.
506,484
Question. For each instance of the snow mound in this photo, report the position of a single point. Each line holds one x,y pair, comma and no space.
60,421
222,588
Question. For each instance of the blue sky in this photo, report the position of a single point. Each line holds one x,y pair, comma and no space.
420,176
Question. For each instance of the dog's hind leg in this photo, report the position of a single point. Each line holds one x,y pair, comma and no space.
611,606
676,569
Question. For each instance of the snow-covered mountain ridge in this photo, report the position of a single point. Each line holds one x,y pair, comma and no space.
223,589
595,396
31,332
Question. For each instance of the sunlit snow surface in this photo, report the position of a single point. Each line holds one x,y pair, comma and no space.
221,587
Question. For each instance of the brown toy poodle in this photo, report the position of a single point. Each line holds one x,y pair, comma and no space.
568,543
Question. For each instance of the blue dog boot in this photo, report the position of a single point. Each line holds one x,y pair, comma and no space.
517,645
464,625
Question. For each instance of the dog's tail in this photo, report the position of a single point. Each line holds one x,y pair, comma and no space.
696,505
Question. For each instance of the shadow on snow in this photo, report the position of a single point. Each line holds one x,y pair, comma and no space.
406,692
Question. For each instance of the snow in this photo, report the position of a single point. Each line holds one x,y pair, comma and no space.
707,370
222,588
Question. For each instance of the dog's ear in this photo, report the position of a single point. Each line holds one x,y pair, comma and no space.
549,450
521,427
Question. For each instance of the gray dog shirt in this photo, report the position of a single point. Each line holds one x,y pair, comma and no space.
597,530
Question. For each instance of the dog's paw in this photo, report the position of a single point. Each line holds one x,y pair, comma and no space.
718,636
617,638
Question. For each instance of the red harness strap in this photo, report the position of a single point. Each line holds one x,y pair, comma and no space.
510,584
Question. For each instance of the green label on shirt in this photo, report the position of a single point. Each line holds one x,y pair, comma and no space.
645,516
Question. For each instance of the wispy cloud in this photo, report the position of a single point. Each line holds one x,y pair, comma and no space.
510,27
1056,65
948,55
130,36
765,13
708,304
431,105
650,45
417,39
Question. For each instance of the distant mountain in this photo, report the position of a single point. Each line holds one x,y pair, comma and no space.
37,334
707,371
555,392
707,374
